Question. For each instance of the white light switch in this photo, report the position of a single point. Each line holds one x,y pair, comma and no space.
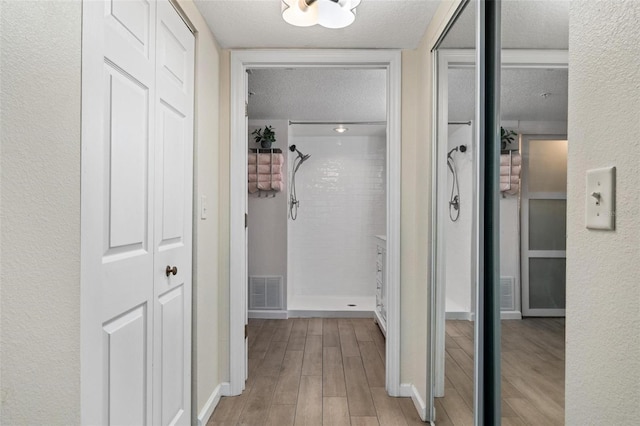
601,198
203,207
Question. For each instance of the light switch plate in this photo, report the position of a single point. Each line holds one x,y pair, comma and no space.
601,198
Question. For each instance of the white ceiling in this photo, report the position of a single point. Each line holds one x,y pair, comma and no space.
318,94
520,98
325,130
259,24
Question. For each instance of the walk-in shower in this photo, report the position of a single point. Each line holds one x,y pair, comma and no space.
294,203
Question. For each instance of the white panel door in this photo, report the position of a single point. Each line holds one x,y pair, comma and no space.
173,207
123,295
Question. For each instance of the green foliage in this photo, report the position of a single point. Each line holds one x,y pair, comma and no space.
506,137
267,135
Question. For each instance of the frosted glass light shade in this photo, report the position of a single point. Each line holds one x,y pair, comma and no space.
327,13
298,13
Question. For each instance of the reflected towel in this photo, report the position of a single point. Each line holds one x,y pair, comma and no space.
265,169
266,158
509,189
505,179
504,171
265,177
516,159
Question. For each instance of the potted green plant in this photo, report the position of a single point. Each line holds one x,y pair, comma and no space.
506,137
265,137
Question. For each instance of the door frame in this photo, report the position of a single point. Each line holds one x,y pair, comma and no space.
241,60
443,58
524,226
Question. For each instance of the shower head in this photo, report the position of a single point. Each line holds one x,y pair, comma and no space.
301,156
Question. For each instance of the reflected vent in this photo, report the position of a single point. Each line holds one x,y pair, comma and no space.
507,294
265,292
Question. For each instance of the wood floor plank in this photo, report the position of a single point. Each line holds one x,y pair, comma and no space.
312,363
358,392
409,411
335,411
298,335
330,336
388,408
315,327
281,415
309,408
333,383
348,341
289,381
364,421
283,331
361,329
373,366
272,362
457,409
257,405
442,418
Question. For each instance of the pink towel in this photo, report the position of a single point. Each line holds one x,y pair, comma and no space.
505,179
516,159
266,158
504,171
262,168
509,189
265,186
264,177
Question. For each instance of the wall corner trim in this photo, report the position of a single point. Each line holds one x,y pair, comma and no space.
408,390
211,404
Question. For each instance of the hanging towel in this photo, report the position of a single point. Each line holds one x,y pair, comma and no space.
265,186
265,177
504,171
266,159
262,168
516,159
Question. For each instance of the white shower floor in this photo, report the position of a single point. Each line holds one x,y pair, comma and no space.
331,306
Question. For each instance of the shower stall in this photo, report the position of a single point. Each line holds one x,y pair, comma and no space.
312,247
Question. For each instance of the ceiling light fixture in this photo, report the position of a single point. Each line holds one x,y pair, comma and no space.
327,13
341,129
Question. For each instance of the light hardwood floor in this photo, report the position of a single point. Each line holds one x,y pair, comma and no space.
331,372
532,373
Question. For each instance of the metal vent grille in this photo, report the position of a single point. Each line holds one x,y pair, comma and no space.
265,292
507,294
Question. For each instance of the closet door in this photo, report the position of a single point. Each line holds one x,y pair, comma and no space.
130,310
173,207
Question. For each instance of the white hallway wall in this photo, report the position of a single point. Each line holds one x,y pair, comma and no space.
341,189
603,295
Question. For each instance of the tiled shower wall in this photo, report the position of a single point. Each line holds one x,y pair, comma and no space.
342,196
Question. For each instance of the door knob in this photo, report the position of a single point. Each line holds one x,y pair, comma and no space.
171,270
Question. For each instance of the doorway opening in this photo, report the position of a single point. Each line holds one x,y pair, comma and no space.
288,61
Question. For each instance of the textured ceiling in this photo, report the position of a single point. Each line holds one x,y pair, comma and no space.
318,94
526,24
259,24
520,99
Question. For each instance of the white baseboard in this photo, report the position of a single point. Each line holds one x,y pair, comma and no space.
330,314
225,389
511,315
211,404
469,316
268,314
410,391
458,316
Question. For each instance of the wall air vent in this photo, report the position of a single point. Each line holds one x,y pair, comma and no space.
265,292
